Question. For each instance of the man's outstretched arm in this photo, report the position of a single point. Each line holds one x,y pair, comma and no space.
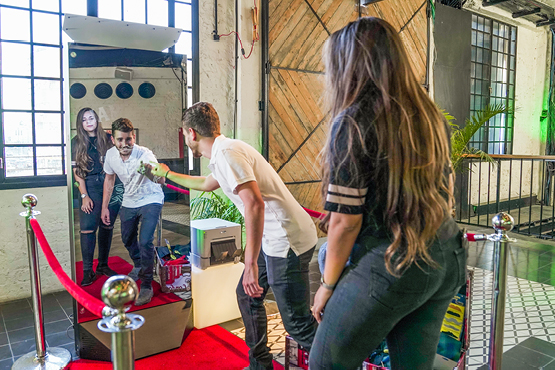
201,183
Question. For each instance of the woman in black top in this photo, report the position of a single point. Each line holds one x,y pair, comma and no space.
387,186
88,149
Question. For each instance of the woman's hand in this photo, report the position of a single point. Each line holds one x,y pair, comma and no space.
320,300
87,204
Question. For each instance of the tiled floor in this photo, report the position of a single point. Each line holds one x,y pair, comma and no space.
17,335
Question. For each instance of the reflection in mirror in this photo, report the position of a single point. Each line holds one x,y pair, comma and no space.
149,89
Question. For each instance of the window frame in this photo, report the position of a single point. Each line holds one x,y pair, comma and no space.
18,182
505,121
37,181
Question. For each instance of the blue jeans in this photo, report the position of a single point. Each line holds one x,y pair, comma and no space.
369,305
138,242
91,222
288,278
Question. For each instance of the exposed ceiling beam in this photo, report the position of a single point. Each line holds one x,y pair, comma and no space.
523,13
493,2
545,23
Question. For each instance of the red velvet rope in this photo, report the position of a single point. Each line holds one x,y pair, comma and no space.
470,237
91,303
309,211
179,190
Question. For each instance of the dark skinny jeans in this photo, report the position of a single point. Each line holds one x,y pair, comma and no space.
369,305
138,240
288,278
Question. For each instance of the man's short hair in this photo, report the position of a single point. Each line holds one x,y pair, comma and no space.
202,118
123,125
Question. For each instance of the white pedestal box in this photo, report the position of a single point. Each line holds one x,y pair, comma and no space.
214,297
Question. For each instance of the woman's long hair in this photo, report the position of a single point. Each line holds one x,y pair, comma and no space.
82,158
367,57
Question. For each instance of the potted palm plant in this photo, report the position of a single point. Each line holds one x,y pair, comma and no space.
460,137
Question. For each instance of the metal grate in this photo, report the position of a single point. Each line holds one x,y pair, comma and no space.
492,81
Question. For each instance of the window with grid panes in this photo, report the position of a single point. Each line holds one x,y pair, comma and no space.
31,91
492,81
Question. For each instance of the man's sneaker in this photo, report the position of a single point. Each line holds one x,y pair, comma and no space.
105,270
145,295
88,277
134,274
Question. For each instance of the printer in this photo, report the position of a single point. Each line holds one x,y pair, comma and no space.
215,241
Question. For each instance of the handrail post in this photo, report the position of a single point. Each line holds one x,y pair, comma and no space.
502,223
54,358
119,292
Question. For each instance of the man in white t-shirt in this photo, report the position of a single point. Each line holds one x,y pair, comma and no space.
142,201
280,235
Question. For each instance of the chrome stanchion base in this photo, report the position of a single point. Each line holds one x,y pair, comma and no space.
56,359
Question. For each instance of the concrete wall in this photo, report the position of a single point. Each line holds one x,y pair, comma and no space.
216,86
14,265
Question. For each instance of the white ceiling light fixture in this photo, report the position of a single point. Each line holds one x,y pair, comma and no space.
109,32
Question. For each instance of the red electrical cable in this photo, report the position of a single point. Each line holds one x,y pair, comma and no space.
91,303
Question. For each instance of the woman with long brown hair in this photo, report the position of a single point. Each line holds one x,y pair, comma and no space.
88,149
387,187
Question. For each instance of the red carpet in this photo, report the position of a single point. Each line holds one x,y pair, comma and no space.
121,267
208,348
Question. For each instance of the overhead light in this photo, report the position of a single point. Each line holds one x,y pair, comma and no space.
109,32
368,2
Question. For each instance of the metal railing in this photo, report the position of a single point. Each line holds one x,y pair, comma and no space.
522,185
118,293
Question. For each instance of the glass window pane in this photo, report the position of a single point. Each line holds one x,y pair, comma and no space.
49,160
109,9
494,58
472,70
46,28
16,59
183,17
473,41
481,24
18,128
19,162
16,93
134,11
185,44
474,22
189,97
487,25
496,28
47,95
48,128
487,40
501,44
78,7
479,55
480,40
20,3
472,52
47,61
158,12
14,24
50,5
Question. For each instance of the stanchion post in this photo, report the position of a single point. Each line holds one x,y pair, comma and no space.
502,223
54,358
119,292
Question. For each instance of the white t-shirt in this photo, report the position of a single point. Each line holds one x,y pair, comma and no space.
286,223
139,190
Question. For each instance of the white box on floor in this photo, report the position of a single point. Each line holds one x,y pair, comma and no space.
214,297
